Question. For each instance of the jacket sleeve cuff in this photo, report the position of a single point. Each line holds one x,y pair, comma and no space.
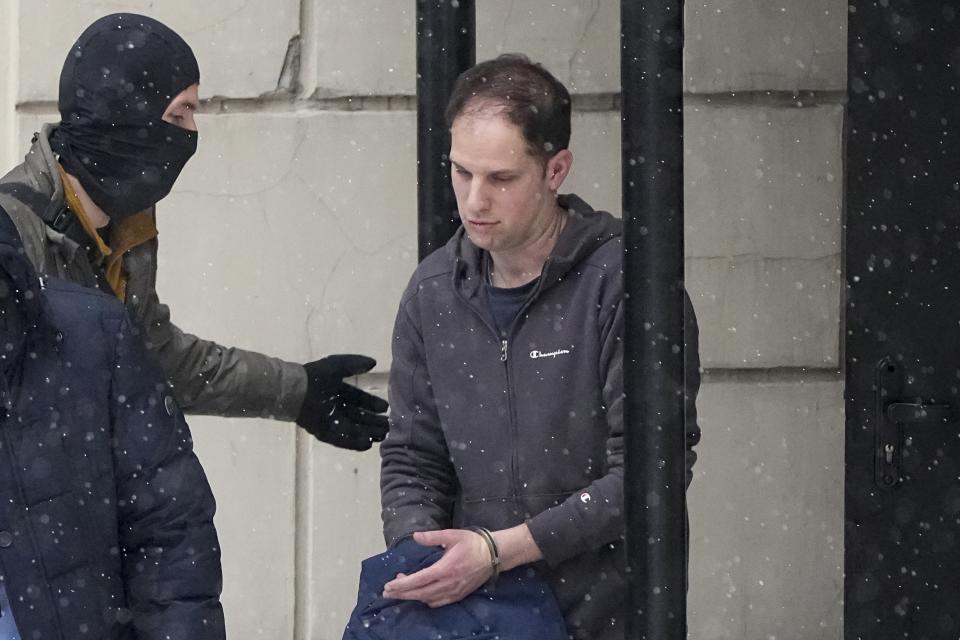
291,400
400,523
557,532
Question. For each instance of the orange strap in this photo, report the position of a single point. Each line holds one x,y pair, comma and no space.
130,232
73,203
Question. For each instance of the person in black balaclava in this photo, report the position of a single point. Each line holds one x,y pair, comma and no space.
83,202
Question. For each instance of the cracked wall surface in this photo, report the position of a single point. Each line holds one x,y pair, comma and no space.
240,43
733,45
9,82
292,231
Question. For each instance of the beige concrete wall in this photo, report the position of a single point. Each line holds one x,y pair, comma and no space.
765,46
9,53
764,203
240,44
293,231
766,532
369,48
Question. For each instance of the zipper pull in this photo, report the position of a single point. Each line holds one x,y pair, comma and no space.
503,351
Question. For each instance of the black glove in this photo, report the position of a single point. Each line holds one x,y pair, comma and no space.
338,413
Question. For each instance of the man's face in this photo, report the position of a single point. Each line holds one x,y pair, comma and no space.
505,196
181,109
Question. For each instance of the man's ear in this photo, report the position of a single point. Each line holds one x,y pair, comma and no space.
558,167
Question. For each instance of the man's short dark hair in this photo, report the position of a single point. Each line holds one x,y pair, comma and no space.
525,93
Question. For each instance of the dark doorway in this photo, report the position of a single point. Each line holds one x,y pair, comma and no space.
902,326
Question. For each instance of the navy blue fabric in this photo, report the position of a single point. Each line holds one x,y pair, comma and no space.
106,516
505,303
8,626
519,606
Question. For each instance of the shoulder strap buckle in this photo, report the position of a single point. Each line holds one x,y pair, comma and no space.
61,222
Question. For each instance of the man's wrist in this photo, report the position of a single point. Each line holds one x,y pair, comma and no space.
494,549
517,547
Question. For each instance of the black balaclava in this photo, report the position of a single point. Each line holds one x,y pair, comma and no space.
117,81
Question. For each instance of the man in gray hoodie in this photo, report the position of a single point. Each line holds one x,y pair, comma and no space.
506,438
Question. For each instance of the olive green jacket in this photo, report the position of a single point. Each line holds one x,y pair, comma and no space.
207,378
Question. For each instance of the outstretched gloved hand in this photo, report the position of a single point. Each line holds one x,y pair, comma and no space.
339,413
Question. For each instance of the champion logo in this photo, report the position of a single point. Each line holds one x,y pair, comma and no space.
535,354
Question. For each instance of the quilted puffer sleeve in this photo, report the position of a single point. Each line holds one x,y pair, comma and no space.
169,547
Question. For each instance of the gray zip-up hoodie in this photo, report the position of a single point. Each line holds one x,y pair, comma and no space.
494,432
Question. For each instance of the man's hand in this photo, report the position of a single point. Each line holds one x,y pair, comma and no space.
464,567
338,413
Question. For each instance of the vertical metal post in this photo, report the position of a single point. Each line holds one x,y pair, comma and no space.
651,66
446,46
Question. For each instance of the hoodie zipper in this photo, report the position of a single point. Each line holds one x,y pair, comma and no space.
504,357
512,421
511,405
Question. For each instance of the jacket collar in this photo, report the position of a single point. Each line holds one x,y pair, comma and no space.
41,168
49,202
584,232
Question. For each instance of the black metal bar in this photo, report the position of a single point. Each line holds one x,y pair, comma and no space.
651,66
446,46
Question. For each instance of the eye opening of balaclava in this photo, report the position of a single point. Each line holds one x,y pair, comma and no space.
117,81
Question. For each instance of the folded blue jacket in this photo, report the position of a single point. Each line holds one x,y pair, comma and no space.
518,606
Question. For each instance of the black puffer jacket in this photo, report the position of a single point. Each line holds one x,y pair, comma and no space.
106,517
